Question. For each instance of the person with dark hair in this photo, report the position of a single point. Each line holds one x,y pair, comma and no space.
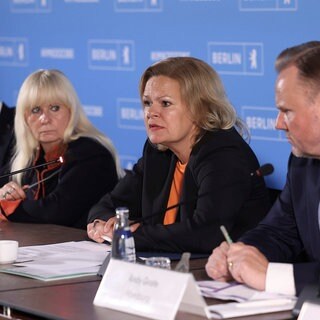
194,161
6,134
282,254
50,124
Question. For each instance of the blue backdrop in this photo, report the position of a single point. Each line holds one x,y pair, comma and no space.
103,46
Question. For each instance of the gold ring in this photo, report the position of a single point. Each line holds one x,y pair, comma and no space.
230,264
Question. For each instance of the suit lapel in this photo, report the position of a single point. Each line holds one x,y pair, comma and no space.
161,170
312,204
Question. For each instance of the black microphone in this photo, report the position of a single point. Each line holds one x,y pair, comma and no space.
44,179
58,160
264,170
142,219
181,203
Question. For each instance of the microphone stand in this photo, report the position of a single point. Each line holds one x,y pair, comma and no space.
264,170
60,159
142,219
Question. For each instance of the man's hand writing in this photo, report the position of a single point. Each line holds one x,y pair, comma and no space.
217,266
248,265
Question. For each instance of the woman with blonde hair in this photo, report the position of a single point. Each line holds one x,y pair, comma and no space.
195,172
76,164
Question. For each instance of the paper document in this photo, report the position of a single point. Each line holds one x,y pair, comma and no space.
249,301
59,261
239,309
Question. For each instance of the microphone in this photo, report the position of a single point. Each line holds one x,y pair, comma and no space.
44,179
264,170
181,203
58,160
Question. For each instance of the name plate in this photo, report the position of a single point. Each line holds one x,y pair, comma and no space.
309,311
147,291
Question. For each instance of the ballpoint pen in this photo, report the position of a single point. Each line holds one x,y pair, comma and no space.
229,241
226,234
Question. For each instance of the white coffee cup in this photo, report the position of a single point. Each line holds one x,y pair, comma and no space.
8,251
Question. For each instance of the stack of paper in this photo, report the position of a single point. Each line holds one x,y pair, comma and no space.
59,261
249,301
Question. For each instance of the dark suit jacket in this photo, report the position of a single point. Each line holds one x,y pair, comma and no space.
290,232
217,189
6,134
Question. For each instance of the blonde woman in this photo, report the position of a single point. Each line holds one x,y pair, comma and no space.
50,123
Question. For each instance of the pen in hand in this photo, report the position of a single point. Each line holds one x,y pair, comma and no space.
226,234
229,241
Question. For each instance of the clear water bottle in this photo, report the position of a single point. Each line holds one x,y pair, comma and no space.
123,247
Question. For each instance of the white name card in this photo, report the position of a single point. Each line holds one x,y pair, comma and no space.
147,291
309,311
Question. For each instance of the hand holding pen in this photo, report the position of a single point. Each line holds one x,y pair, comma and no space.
217,265
238,261
229,241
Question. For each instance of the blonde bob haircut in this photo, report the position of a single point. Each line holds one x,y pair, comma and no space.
202,92
51,86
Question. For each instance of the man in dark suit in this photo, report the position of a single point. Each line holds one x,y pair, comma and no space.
282,254
6,134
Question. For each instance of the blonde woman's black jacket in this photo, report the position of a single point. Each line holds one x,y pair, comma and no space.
217,189
6,134
88,172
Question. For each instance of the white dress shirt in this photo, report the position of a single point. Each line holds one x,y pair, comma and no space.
280,278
